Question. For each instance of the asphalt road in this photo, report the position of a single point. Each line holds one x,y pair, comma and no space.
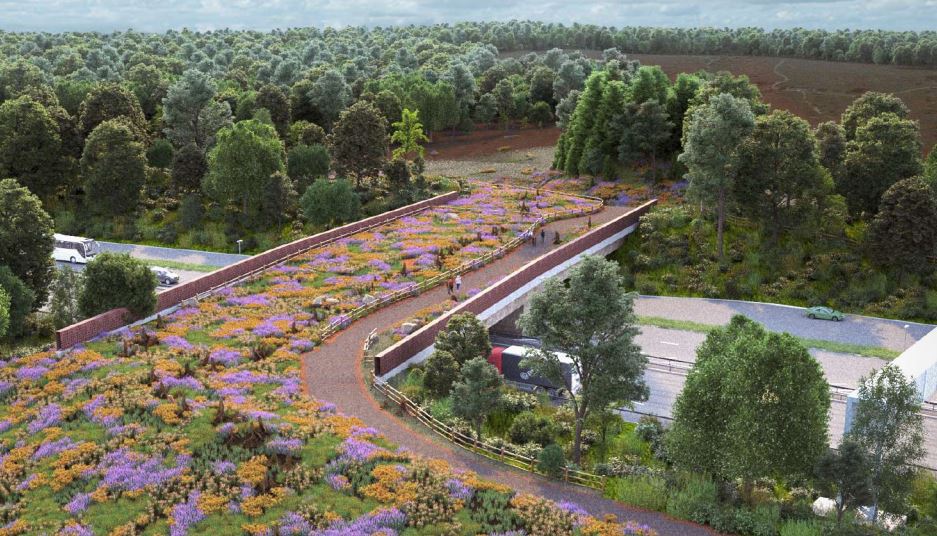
156,253
840,369
864,330
189,256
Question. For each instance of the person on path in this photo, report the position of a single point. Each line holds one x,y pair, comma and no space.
543,236
458,283
450,284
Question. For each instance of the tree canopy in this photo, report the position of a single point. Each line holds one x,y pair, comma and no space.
26,238
240,165
114,280
888,427
113,165
712,136
592,321
754,404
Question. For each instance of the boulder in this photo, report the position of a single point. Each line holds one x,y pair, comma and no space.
408,327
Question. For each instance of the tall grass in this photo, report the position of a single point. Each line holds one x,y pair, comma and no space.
641,491
802,528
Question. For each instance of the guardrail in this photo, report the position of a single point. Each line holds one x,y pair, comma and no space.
489,450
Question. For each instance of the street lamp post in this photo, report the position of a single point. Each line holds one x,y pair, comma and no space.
239,246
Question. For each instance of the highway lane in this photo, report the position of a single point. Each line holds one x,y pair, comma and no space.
855,329
665,387
184,275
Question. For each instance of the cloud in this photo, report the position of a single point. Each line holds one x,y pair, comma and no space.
160,15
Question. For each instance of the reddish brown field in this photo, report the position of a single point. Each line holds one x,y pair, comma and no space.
820,90
815,90
447,146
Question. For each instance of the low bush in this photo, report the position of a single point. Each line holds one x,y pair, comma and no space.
530,427
641,491
551,461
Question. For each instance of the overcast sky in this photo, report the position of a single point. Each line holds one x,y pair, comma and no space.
160,15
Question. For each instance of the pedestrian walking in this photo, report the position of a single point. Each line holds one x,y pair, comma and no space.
450,284
458,283
590,222
543,236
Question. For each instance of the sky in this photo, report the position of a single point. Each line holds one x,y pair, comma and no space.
161,15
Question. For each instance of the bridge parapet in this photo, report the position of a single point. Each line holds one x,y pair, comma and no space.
511,292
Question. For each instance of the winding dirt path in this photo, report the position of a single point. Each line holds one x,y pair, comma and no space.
333,373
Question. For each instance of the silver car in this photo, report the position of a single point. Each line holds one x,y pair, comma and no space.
165,276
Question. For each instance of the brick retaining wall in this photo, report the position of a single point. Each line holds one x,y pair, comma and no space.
115,318
421,339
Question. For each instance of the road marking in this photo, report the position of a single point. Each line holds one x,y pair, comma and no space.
670,343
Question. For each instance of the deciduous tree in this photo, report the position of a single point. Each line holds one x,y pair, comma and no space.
778,170
240,165
189,166
273,99
114,280
30,147
329,202
111,101
754,404
305,133
63,305
305,164
870,104
477,393
463,338
21,301
358,142
442,370
113,166
903,234
885,150
191,112
592,321
26,238
888,427
540,114
844,475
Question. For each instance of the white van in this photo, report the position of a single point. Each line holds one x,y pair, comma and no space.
74,249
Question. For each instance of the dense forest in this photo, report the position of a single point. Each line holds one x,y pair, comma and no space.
207,140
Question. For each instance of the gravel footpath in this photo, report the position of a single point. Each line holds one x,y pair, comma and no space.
333,373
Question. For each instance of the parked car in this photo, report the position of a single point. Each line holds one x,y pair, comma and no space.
825,313
165,276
